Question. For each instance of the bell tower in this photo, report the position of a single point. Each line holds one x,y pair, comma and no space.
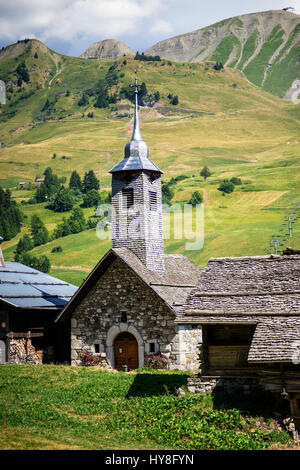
137,201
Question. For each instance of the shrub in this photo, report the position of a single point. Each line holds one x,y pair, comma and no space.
226,187
57,249
236,181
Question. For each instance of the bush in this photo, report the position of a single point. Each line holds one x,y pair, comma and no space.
57,249
226,187
236,181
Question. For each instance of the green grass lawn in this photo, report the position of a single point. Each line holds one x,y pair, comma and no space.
63,407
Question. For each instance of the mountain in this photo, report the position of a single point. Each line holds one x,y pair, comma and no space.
107,49
265,46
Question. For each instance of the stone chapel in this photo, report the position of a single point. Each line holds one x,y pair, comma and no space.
127,308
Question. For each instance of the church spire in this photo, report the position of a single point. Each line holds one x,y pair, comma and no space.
137,221
136,153
136,133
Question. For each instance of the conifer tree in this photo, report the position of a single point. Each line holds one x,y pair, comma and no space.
75,181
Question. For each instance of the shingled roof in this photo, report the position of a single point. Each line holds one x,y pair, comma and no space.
262,290
172,286
247,285
25,287
276,340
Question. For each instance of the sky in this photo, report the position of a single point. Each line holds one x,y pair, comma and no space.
71,26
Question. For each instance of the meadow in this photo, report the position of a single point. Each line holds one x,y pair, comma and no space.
50,407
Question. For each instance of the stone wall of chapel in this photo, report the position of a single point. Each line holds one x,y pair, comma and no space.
120,292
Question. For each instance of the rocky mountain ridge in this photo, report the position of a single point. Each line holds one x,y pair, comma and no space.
107,49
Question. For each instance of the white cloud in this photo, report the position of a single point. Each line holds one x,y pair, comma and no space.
67,20
161,26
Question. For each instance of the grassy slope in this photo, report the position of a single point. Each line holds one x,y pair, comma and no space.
222,121
62,407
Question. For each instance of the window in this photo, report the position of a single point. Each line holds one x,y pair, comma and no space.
153,200
127,196
97,348
123,317
151,347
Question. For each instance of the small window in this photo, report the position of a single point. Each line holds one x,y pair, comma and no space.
123,317
153,200
97,348
152,347
127,196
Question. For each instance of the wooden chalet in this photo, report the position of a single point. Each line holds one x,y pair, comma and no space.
29,302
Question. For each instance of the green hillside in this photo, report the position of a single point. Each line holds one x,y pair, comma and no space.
222,121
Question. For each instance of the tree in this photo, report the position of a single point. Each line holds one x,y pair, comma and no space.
205,172
84,100
218,66
226,187
167,193
90,181
77,221
63,229
62,201
22,72
25,244
39,232
196,198
175,100
41,193
41,264
75,181
102,100
11,216
91,198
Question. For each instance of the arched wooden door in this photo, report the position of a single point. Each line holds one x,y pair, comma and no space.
126,351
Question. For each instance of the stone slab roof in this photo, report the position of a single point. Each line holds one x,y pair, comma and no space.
262,290
172,286
247,285
24,287
276,339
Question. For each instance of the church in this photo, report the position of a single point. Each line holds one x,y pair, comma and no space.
235,324
128,307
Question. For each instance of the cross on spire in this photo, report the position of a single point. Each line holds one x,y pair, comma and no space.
136,133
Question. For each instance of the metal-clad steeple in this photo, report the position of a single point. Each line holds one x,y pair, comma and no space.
136,153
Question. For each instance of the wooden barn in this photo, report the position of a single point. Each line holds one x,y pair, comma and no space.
29,303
